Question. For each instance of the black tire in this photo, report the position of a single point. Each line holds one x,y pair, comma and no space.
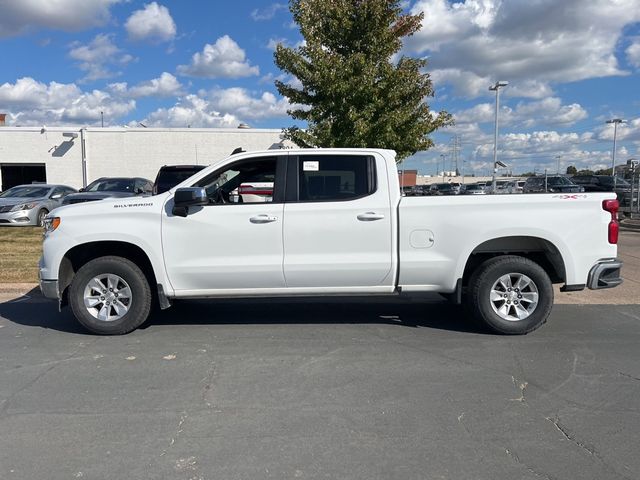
140,301
41,216
487,274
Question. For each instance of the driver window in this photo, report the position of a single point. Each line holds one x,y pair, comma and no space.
247,181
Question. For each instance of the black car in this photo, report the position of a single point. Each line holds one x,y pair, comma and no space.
445,189
604,183
104,187
551,184
171,175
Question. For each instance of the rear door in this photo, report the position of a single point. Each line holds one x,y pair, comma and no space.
337,229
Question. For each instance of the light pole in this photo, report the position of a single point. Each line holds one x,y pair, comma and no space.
496,87
558,158
102,119
442,156
615,122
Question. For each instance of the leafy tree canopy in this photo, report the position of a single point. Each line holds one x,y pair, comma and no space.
353,91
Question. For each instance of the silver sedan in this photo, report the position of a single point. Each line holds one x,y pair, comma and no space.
29,204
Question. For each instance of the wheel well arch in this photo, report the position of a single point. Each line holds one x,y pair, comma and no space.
537,249
79,255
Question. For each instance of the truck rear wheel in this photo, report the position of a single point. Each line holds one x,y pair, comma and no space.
510,294
110,296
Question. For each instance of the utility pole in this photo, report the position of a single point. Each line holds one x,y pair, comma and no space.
102,119
443,156
496,87
615,122
558,158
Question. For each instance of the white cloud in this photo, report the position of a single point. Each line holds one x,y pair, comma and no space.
30,102
549,111
633,53
190,111
267,13
166,85
220,107
472,43
152,23
97,57
19,16
223,59
240,103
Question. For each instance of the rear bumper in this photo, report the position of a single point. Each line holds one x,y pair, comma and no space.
605,274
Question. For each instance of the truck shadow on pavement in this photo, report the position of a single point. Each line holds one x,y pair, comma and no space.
33,310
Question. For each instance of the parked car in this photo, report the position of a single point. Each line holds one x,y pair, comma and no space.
518,186
171,175
475,189
604,183
551,184
337,224
445,189
30,204
411,190
111,188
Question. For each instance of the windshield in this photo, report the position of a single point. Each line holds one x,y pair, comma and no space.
559,181
167,179
111,185
25,192
608,181
474,187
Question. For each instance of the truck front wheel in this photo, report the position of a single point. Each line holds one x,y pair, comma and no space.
510,295
110,296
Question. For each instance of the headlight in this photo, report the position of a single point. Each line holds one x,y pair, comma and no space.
23,206
50,224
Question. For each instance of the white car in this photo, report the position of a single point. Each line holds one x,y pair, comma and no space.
335,224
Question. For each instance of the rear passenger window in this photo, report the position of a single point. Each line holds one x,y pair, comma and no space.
324,178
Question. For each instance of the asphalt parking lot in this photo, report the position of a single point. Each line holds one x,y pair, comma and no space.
342,389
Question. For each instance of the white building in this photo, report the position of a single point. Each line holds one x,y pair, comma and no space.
75,157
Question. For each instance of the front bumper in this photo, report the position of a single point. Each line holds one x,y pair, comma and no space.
49,288
21,217
605,274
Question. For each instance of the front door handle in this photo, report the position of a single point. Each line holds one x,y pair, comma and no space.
263,219
370,216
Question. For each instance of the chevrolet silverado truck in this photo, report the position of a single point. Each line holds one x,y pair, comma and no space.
335,223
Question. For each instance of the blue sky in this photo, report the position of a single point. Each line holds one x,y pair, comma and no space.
571,66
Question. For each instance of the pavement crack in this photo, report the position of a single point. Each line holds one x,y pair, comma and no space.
177,433
517,460
628,376
587,448
208,382
522,386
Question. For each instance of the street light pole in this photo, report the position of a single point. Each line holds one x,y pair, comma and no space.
615,122
496,87
558,158
442,156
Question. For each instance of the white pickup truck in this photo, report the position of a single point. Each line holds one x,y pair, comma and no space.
335,223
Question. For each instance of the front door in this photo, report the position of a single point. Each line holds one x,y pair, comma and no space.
235,242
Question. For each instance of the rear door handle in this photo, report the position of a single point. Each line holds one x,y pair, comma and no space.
263,219
370,216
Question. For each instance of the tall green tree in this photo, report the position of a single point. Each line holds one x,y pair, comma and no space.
571,170
354,91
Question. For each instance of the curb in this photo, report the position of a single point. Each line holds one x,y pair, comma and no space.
13,288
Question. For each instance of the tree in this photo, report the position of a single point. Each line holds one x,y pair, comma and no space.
571,170
352,93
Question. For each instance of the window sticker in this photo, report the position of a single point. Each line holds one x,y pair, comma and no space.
311,166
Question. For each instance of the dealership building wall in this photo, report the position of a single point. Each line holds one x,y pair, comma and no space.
57,152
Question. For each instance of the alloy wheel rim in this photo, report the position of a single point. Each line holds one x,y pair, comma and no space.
514,297
107,297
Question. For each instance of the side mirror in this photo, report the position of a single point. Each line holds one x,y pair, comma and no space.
56,196
81,190
187,197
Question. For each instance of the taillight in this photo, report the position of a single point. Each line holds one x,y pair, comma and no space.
612,207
